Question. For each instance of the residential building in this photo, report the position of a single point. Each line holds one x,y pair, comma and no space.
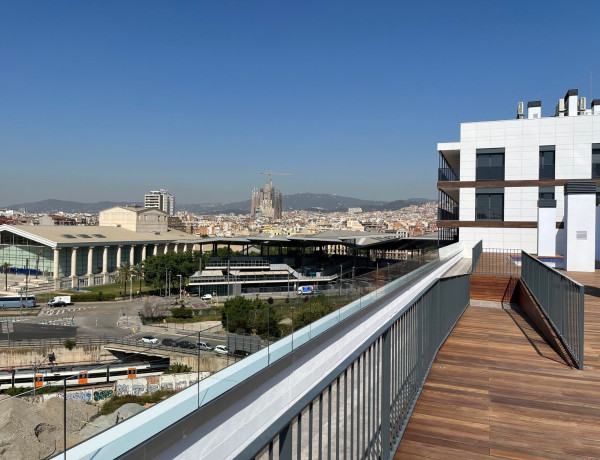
496,181
161,200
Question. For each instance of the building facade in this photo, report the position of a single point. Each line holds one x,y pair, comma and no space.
161,200
494,181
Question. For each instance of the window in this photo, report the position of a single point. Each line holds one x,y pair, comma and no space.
595,161
490,164
489,204
546,193
547,162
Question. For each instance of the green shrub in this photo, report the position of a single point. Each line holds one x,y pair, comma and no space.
182,312
70,344
117,401
177,368
15,391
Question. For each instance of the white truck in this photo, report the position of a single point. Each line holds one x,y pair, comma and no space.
60,301
305,290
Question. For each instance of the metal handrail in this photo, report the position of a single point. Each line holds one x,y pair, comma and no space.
401,355
477,249
561,299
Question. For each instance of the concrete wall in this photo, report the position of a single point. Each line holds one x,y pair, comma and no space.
26,356
147,221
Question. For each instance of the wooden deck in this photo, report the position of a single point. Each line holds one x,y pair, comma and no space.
498,390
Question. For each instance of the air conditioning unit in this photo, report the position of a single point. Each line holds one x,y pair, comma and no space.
520,110
582,104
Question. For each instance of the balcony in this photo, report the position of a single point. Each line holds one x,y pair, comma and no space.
484,173
448,175
547,172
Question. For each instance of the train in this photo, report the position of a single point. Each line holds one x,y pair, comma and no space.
15,301
80,375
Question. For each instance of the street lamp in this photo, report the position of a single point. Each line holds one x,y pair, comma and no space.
179,276
341,275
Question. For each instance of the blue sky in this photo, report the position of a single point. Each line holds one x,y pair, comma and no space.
107,100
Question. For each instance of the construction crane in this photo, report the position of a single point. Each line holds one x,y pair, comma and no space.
269,173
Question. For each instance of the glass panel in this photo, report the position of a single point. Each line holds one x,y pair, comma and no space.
497,159
596,163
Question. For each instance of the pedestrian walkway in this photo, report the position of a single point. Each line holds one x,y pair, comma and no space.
497,390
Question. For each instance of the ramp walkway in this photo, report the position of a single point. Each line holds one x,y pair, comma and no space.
497,390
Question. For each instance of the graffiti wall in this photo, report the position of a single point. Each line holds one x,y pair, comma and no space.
138,386
144,385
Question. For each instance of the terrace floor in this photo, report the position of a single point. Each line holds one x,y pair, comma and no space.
496,389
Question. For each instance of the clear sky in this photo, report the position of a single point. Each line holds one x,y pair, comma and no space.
107,100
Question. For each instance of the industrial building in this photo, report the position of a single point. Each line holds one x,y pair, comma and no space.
81,256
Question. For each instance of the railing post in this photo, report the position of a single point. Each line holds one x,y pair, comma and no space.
386,377
581,325
285,443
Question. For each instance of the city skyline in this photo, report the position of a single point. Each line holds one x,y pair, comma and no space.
349,99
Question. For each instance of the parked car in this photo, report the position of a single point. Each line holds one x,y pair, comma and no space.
241,353
58,303
221,350
149,339
204,346
169,342
206,298
185,344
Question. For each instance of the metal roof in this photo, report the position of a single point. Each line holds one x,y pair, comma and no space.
78,236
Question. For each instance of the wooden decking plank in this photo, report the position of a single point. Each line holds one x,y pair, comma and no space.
497,390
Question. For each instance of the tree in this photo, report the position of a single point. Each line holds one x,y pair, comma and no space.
123,274
314,309
178,263
266,322
5,267
137,272
236,314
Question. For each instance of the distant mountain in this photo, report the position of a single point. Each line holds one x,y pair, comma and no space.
66,206
323,202
300,201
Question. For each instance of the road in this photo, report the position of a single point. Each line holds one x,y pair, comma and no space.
113,319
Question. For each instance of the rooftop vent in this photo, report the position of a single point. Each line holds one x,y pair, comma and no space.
571,102
534,109
67,235
84,235
98,235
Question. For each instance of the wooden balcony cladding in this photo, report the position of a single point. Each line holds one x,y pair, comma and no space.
508,183
490,224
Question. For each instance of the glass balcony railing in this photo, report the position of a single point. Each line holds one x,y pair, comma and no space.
448,175
490,173
546,172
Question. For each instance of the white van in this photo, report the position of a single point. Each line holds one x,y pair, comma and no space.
206,298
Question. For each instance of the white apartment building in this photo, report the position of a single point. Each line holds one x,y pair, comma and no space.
161,200
496,182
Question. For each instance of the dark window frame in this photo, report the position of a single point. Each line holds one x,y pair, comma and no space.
547,169
596,163
489,164
492,210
